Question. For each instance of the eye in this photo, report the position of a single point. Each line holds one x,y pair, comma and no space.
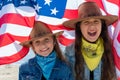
36,43
97,21
85,22
47,40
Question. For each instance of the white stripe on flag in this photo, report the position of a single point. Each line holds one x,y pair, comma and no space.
24,10
116,44
110,7
118,72
7,9
50,20
72,4
69,34
15,29
11,49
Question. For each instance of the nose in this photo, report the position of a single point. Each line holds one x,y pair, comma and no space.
42,46
92,27
43,43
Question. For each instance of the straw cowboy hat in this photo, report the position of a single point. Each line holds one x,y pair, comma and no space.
39,30
90,10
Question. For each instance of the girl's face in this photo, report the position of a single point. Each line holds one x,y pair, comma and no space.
43,46
91,29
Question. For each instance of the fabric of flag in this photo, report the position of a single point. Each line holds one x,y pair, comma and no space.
16,21
17,18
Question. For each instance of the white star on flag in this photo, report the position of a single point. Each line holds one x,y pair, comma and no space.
54,11
48,2
37,7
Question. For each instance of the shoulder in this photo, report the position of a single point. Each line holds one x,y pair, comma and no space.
70,53
26,66
62,65
63,71
30,70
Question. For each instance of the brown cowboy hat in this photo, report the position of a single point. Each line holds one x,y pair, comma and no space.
90,10
39,30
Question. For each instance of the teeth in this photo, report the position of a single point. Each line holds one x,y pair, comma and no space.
43,50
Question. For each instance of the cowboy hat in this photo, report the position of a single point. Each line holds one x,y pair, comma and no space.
39,30
90,10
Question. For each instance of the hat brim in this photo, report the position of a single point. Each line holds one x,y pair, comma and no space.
28,42
108,20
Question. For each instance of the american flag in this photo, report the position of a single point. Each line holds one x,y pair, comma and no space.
17,18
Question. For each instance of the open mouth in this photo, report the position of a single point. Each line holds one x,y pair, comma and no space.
92,33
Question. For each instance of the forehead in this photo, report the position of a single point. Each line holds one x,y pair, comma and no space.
43,38
91,19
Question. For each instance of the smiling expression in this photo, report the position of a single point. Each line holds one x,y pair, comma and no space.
43,46
91,29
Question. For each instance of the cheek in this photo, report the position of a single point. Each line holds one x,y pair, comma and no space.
83,28
51,46
83,31
99,29
35,49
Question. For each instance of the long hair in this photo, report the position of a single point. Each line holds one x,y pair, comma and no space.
108,67
57,49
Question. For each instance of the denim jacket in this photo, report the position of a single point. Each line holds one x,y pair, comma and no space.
70,55
31,71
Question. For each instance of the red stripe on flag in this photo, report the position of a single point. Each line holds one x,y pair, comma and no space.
6,39
15,57
71,14
17,19
65,41
118,78
115,1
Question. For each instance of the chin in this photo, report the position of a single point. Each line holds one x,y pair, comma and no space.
93,41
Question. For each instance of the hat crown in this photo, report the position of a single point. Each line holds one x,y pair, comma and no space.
40,29
88,9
